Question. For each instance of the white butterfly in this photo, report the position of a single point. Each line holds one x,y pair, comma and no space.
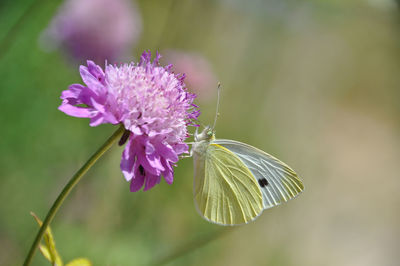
234,182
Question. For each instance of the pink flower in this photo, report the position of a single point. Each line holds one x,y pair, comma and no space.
96,29
153,105
200,77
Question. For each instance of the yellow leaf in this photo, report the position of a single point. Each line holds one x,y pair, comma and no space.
50,252
45,252
79,262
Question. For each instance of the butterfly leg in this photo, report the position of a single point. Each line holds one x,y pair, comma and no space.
190,152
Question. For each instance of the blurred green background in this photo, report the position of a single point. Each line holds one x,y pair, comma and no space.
315,83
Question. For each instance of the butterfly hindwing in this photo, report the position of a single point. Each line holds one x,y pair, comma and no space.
225,190
277,181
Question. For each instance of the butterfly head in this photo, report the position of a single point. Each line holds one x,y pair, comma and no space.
207,134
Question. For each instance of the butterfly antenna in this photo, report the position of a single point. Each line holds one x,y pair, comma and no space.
217,110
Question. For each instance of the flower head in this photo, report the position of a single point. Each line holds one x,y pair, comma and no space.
153,105
94,29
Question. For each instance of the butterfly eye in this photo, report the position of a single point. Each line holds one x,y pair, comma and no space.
209,133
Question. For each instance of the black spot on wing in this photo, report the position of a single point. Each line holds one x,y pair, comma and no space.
263,182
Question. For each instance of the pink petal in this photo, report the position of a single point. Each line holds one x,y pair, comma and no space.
110,118
137,183
107,115
136,130
167,152
168,173
96,71
149,148
70,97
138,178
91,81
84,94
127,162
97,120
146,164
155,162
181,148
151,181
99,107
76,111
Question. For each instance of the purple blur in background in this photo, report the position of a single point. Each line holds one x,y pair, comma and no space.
98,30
200,77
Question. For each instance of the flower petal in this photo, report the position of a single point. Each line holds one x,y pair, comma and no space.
107,115
149,148
180,148
91,81
151,181
167,152
155,162
70,97
137,183
97,120
96,71
135,130
81,93
76,111
168,173
127,162
142,159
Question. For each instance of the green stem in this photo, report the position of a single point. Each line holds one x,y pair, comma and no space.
67,189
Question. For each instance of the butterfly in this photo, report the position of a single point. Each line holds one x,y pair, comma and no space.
235,182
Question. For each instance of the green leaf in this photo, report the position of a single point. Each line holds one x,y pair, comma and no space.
49,251
45,252
79,262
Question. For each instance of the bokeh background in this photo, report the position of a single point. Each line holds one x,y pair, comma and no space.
315,83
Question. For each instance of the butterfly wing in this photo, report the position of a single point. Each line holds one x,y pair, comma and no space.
225,191
278,182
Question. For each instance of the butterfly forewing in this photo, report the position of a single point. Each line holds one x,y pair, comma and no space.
226,192
277,181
